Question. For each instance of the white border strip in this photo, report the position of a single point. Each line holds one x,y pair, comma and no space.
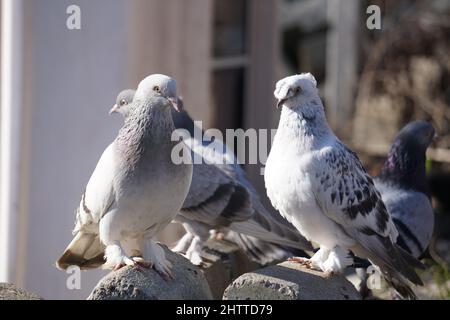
10,133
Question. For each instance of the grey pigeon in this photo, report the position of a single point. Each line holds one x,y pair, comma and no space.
135,189
123,102
321,187
221,198
403,186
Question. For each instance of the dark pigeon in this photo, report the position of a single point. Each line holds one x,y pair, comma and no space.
402,183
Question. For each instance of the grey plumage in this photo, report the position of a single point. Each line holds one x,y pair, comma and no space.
135,190
221,198
403,186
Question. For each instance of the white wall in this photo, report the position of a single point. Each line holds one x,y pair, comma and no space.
75,76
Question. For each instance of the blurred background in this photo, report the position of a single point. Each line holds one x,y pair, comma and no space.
57,86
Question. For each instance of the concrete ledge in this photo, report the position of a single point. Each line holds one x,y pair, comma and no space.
290,281
11,292
130,283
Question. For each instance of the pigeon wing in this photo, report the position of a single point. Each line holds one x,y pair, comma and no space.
412,214
86,249
347,195
98,196
216,199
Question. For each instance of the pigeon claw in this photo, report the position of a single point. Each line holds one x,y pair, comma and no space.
119,266
166,274
300,260
141,263
329,273
164,270
219,236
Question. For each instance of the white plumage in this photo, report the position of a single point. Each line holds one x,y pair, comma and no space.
321,187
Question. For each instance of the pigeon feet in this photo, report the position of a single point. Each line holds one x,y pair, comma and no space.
140,262
195,258
164,268
303,261
134,262
336,261
217,235
152,257
194,253
116,258
183,244
118,266
329,273
154,253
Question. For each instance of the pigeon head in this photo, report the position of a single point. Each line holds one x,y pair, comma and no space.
417,134
405,163
158,86
123,102
296,90
181,119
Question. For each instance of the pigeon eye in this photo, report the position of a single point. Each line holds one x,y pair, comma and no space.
156,89
297,89
123,102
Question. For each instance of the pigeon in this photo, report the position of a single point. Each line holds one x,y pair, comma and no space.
403,186
320,186
123,100
405,192
135,190
221,198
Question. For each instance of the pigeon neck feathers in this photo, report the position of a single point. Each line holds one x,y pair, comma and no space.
306,124
405,167
147,125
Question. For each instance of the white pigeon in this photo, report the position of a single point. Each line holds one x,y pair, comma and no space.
135,190
221,198
321,187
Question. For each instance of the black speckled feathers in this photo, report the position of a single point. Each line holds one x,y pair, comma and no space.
352,190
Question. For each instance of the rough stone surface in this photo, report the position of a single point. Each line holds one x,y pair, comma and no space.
224,263
130,283
11,292
290,281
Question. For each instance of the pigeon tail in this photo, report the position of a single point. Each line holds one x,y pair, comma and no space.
263,252
85,251
401,287
270,233
396,265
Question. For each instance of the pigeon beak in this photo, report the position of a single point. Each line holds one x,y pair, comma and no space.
114,109
435,137
281,102
176,103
